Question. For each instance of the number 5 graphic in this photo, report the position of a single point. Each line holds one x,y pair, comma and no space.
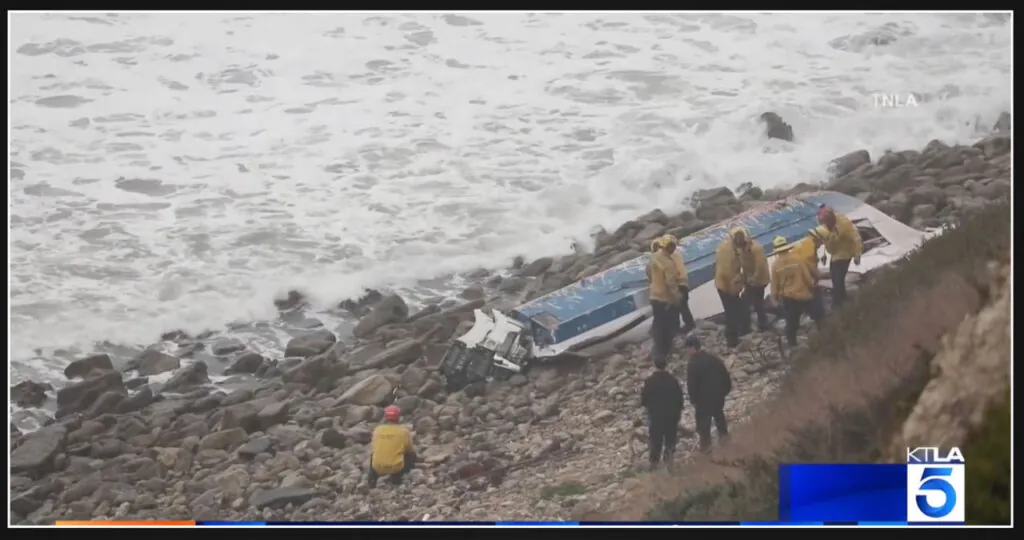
930,481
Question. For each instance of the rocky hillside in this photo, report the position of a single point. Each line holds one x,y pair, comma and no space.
152,439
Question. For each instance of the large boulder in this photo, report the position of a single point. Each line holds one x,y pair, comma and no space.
154,362
310,344
776,128
35,455
29,393
80,396
82,366
404,352
391,309
373,390
846,164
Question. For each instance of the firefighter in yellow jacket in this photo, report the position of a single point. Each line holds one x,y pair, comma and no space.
729,282
843,243
663,276
756,277
793,287
684,282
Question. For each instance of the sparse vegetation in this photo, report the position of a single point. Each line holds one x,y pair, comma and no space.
565,489
854,386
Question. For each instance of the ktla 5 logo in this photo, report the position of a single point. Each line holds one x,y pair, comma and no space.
935,485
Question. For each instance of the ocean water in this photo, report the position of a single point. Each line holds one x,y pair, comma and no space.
180,170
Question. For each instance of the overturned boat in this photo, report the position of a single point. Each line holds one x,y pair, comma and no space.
603,310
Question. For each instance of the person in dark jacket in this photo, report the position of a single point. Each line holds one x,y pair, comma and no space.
707,383
662,396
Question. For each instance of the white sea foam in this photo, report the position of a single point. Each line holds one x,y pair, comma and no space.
333,152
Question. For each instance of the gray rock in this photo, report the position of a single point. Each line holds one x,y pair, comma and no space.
227,439
194,374
30,393
404,352
846,164
280,497
536,267
254,447
82,367
776,128
273,414
154,362
248,362
373,390
333,438
310,344
391,309
224,347
38,450
413,378
80,396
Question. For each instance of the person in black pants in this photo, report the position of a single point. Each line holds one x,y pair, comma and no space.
708,383
662,396
729,283
663,277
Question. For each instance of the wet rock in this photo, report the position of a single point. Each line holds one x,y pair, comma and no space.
310,344
536,267
82,367
80,396
30,393
848,163
776,128
248,362
373,390
224,347
38,451
194,374
362,305
293,300
391,309
473,292
153,362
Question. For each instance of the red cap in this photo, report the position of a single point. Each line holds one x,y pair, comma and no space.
392,413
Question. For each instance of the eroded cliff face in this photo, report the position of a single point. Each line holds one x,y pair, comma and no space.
971,371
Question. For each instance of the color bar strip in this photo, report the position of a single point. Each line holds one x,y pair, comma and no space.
125,523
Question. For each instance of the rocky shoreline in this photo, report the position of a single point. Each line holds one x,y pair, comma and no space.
152,439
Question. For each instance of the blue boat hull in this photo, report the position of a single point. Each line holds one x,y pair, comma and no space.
567,314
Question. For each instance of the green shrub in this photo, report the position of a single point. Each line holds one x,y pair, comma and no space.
987,453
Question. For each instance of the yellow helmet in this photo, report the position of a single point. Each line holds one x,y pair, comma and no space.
779,244
818,233
664,241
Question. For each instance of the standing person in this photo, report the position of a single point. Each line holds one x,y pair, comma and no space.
684,286
708,383
843,243
792,286
391,450
729,282
755,279
806,249
662,396
664,296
